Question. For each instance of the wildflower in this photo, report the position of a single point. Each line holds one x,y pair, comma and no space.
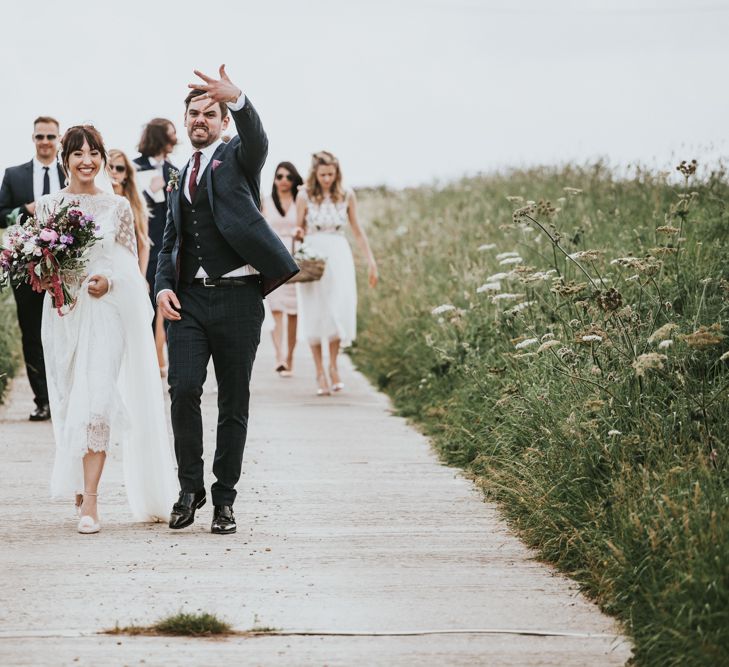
545,208
586,254
515,199
547,336
439,310
504,255
572,191
650,360
548,344
511,260
704,336
662,333
610,300
506,296
565,353
687,168
486,246
401,230
520,306
665,344
489,287
539,275
499,276
574,323
667,229
529,209
525,343
614,432
592,338
663,251
566,288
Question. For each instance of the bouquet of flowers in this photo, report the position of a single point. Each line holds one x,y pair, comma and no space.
54,250
310,264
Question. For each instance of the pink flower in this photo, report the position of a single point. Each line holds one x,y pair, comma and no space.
48,235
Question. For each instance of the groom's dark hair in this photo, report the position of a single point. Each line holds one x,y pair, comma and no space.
196,93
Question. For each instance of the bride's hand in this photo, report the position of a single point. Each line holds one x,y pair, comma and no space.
216,91
98,286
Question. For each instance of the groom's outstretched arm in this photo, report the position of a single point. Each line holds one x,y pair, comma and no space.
253,148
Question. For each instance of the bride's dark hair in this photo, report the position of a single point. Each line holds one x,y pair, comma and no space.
73,140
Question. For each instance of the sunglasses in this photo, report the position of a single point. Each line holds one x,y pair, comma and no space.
288,177
49,137
118,168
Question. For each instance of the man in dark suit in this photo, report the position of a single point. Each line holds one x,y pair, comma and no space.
21,187
219,258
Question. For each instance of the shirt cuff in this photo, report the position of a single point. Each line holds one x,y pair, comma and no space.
238,104
156,299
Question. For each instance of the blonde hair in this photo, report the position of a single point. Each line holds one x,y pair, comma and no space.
130,191
313,189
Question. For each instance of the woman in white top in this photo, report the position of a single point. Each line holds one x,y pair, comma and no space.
280,212
328,307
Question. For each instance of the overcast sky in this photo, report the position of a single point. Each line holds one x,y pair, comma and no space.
403,91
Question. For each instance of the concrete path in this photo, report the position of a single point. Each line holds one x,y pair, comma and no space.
347,522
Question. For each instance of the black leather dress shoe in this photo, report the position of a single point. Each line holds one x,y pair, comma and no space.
41,413
183,511
223,520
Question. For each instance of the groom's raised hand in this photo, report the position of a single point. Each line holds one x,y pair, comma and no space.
217,91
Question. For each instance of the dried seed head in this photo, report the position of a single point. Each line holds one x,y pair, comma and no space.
610,300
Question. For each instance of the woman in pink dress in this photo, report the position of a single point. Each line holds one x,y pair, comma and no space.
280,211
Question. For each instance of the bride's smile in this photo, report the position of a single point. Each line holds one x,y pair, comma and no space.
84,164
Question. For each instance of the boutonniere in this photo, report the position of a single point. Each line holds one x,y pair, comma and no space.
174,182
216,164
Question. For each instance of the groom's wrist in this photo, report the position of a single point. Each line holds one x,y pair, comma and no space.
238,103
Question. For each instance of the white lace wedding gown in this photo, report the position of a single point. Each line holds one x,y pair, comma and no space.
103,377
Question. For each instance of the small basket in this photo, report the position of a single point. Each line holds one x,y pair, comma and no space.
309,269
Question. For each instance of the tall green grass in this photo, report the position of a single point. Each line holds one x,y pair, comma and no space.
561,334
10,349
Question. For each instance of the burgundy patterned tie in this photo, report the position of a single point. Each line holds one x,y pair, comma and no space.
193,175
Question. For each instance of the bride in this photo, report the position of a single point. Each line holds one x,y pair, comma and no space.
103,379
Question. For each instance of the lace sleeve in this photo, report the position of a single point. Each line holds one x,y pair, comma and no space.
125,228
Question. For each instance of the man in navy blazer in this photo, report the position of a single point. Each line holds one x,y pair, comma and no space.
21,187
219,257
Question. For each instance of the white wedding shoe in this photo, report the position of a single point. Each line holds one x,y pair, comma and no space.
86,524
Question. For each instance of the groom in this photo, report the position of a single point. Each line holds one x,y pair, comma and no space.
218,259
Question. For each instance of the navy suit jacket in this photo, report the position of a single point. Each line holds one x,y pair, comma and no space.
233,178
17,190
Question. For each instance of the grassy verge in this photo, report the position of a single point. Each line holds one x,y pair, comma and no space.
10,350
572,354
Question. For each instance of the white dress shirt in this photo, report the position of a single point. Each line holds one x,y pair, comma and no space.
205,157
38,173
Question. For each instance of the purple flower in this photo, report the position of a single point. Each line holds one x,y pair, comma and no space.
48,235
66,239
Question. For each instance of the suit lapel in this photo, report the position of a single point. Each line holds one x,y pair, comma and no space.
61,175
209,174
175,199
29,195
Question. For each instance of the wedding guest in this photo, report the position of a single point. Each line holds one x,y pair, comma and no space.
158,140
328,307
101,384
279,209
123,177
21,187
